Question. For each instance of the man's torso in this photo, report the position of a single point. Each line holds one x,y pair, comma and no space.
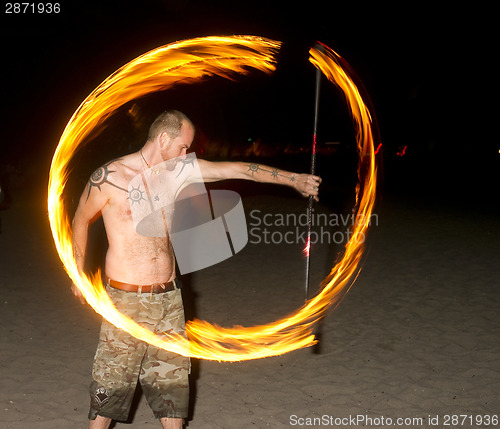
131,257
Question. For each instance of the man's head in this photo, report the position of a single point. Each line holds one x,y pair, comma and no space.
173,132
169,122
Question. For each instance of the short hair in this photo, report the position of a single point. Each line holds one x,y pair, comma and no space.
169,121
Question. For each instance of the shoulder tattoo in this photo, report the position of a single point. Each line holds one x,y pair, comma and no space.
185,162
100,177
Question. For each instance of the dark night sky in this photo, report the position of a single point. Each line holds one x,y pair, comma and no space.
416,63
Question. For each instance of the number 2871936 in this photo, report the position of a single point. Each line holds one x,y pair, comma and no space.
32,8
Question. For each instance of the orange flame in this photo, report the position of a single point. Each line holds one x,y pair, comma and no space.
307,247
189,61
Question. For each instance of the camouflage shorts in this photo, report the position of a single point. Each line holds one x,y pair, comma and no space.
121,360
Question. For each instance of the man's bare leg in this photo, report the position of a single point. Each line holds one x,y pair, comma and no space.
100,423
104,422
168,423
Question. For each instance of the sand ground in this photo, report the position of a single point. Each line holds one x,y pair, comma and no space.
416,338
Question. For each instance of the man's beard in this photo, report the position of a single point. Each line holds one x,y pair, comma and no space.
170,164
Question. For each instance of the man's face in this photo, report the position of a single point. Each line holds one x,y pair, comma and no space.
177,147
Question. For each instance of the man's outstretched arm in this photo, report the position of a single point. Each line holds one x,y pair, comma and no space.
306,184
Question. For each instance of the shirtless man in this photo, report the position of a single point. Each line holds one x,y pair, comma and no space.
140,273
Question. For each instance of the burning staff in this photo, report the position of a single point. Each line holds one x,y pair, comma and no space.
310,200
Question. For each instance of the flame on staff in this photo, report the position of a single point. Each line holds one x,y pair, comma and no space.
307,247
187,61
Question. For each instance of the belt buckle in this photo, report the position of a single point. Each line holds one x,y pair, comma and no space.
154,287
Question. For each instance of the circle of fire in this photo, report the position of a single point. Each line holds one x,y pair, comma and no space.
190,61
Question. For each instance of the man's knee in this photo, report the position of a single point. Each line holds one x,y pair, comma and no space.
100,423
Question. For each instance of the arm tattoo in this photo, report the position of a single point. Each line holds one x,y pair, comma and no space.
275,173
100,177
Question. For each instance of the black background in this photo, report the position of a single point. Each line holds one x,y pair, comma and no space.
426,69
